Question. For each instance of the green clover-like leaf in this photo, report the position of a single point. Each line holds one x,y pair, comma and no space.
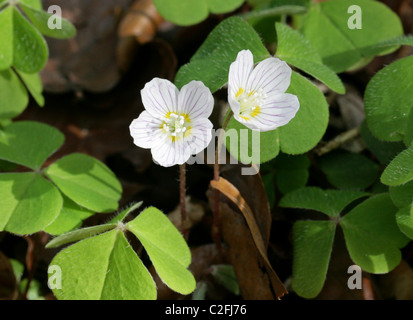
372,236
326,26
293,48
188,12
166,248
313,243
87,181
389,102
103,267
29,143
28,202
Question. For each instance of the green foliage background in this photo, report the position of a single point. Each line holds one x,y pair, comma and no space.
320,46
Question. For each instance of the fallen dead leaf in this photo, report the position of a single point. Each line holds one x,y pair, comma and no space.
139,26
87,61
243,255
230,191
252,190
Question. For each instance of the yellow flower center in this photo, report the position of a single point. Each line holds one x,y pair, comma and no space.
176,125
250,102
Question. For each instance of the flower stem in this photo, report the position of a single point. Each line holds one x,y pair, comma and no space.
182,195
338,141
215,227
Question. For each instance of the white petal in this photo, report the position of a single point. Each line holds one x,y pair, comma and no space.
163,152
160,96
271,76
145,129
168,153
234,104
239,72
275,113
196,100
199,137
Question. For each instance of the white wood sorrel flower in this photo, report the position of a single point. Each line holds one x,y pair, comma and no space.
257,95
175,124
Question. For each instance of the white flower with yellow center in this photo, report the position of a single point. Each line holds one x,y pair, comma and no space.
175,124
257,95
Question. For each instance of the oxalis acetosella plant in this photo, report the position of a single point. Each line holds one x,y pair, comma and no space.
294,148
175,123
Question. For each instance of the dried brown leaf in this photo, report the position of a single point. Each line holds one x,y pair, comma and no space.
230,191
141,21
87,61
